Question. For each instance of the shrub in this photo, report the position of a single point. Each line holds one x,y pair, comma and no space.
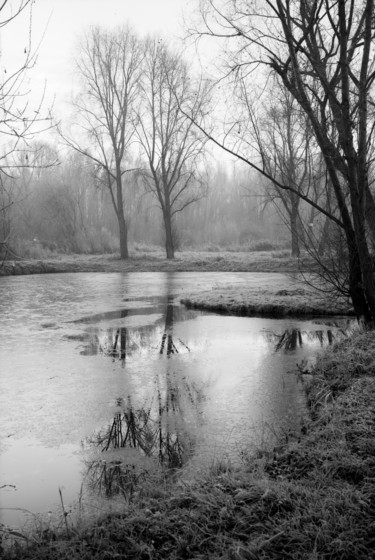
96,241
264,245
31,249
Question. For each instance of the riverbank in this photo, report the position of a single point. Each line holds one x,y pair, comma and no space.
155,261
312,497
250,301
301,300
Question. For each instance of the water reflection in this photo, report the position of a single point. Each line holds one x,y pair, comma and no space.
111,474
292,339
125,339
168,344
117,314
162,430
144,438
112,478
191,387
122,335
159,433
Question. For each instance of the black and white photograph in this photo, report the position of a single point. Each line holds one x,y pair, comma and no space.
187,279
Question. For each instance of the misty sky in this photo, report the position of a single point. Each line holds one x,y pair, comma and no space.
57,24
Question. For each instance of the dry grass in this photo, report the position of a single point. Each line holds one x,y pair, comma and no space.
146,259
340,365
257,301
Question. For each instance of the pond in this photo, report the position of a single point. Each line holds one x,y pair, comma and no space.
105,377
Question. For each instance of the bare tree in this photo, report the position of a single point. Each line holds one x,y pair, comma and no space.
109,66
19,120
281,134
171,142
323,52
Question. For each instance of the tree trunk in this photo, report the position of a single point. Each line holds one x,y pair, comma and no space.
370,210
123,229
324,239
356,291
294,218
123,232
364,260
169,244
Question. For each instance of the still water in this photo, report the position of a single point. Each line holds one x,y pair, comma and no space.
104,377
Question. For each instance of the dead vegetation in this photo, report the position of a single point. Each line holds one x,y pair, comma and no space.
142,259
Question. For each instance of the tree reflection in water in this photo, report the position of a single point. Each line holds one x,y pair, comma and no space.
120,333
291,339
167,342
157,432
111,347
123,341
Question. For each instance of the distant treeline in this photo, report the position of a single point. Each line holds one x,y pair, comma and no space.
63,208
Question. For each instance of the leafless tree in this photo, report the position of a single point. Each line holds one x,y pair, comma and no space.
279,132
171,142
19,120
109,66
323,52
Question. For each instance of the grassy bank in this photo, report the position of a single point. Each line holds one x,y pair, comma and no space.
155,261
253,300
224,299
312,497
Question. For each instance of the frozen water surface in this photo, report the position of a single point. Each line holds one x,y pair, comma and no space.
106,376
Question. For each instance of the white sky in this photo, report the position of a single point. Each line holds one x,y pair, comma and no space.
57,24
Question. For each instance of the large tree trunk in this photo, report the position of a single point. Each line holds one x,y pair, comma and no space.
123,229
354,228
357,296
123,233
364,257
370,210
169,243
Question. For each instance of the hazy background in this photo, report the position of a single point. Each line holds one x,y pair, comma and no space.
63,208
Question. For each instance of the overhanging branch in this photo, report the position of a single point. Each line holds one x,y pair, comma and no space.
264,173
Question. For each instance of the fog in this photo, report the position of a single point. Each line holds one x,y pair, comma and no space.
65,209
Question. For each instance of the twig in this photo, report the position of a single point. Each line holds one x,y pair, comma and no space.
64,511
